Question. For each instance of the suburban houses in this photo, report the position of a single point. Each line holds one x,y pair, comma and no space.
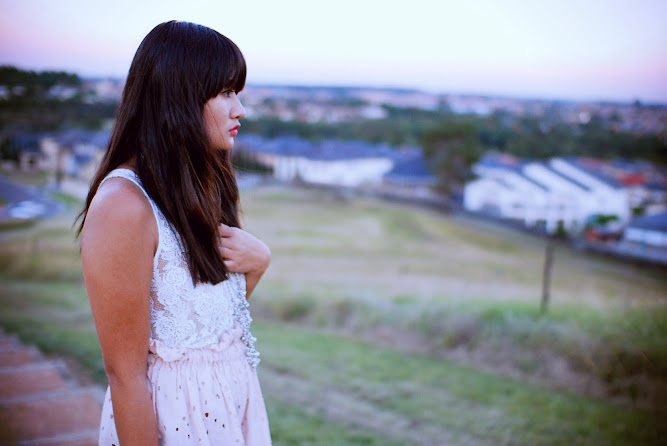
565,193
331,105
71,157
560,195
650,230
349,164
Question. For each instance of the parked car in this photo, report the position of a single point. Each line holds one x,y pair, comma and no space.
26,209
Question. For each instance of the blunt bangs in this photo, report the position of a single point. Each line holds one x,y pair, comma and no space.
192,59
226,65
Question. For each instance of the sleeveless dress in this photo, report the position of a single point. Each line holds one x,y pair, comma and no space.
202,362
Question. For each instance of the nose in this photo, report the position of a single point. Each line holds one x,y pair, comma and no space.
238,111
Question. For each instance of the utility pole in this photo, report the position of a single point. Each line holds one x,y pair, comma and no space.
546,276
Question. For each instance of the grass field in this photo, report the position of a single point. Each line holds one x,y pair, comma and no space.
385,325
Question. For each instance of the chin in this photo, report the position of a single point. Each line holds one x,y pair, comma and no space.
226,147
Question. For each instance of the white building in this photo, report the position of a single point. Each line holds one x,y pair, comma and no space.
333,163
605,195
339,171
563,192
505,191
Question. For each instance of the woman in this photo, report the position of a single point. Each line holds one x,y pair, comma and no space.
166,267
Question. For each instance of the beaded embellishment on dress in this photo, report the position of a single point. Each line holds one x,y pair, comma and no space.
242,316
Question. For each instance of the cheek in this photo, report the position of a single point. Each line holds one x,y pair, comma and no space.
214,115
212,121
208,118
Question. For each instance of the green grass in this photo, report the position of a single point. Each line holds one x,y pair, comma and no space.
47,251
380,324
618,349
449,402
54,315
34,178
9,224
292,425
68,200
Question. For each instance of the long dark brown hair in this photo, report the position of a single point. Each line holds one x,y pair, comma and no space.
177,68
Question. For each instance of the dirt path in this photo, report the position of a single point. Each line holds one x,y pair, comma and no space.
41,403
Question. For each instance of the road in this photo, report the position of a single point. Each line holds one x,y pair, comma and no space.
24,202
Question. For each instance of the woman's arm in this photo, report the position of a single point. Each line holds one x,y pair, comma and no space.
118,243
244,253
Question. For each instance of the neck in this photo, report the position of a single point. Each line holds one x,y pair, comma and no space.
130,164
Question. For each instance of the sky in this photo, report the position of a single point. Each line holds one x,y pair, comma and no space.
588,50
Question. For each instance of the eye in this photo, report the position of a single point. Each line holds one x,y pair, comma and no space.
227,93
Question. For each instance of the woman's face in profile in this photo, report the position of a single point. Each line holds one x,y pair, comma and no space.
221,118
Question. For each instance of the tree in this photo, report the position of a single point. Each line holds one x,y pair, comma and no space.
8,151
452,148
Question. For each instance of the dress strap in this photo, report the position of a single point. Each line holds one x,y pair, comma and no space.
128,175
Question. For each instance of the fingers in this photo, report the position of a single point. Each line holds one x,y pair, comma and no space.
232,266
225,231
224,252
229,236
241,251
228,243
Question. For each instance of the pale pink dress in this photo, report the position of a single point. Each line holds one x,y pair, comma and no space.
202,363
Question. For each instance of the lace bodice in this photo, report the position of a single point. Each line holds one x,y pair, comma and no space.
185,316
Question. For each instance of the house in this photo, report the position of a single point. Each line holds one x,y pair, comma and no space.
329,162
504,189
409,176
650,231
558,193
377,167
27,147
504,196
74,153
608,195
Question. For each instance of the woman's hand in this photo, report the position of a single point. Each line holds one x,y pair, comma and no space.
244,253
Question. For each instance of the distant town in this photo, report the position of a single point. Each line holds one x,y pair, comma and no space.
343,104
340,104
292,135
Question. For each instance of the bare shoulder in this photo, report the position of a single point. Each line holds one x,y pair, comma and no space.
119,207
122,196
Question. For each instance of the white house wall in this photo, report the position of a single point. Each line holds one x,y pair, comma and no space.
530,193
646,237
517,197
348,172
564,199
482,193
285,168
511,195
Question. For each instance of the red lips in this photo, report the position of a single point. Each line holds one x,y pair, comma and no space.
235,130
